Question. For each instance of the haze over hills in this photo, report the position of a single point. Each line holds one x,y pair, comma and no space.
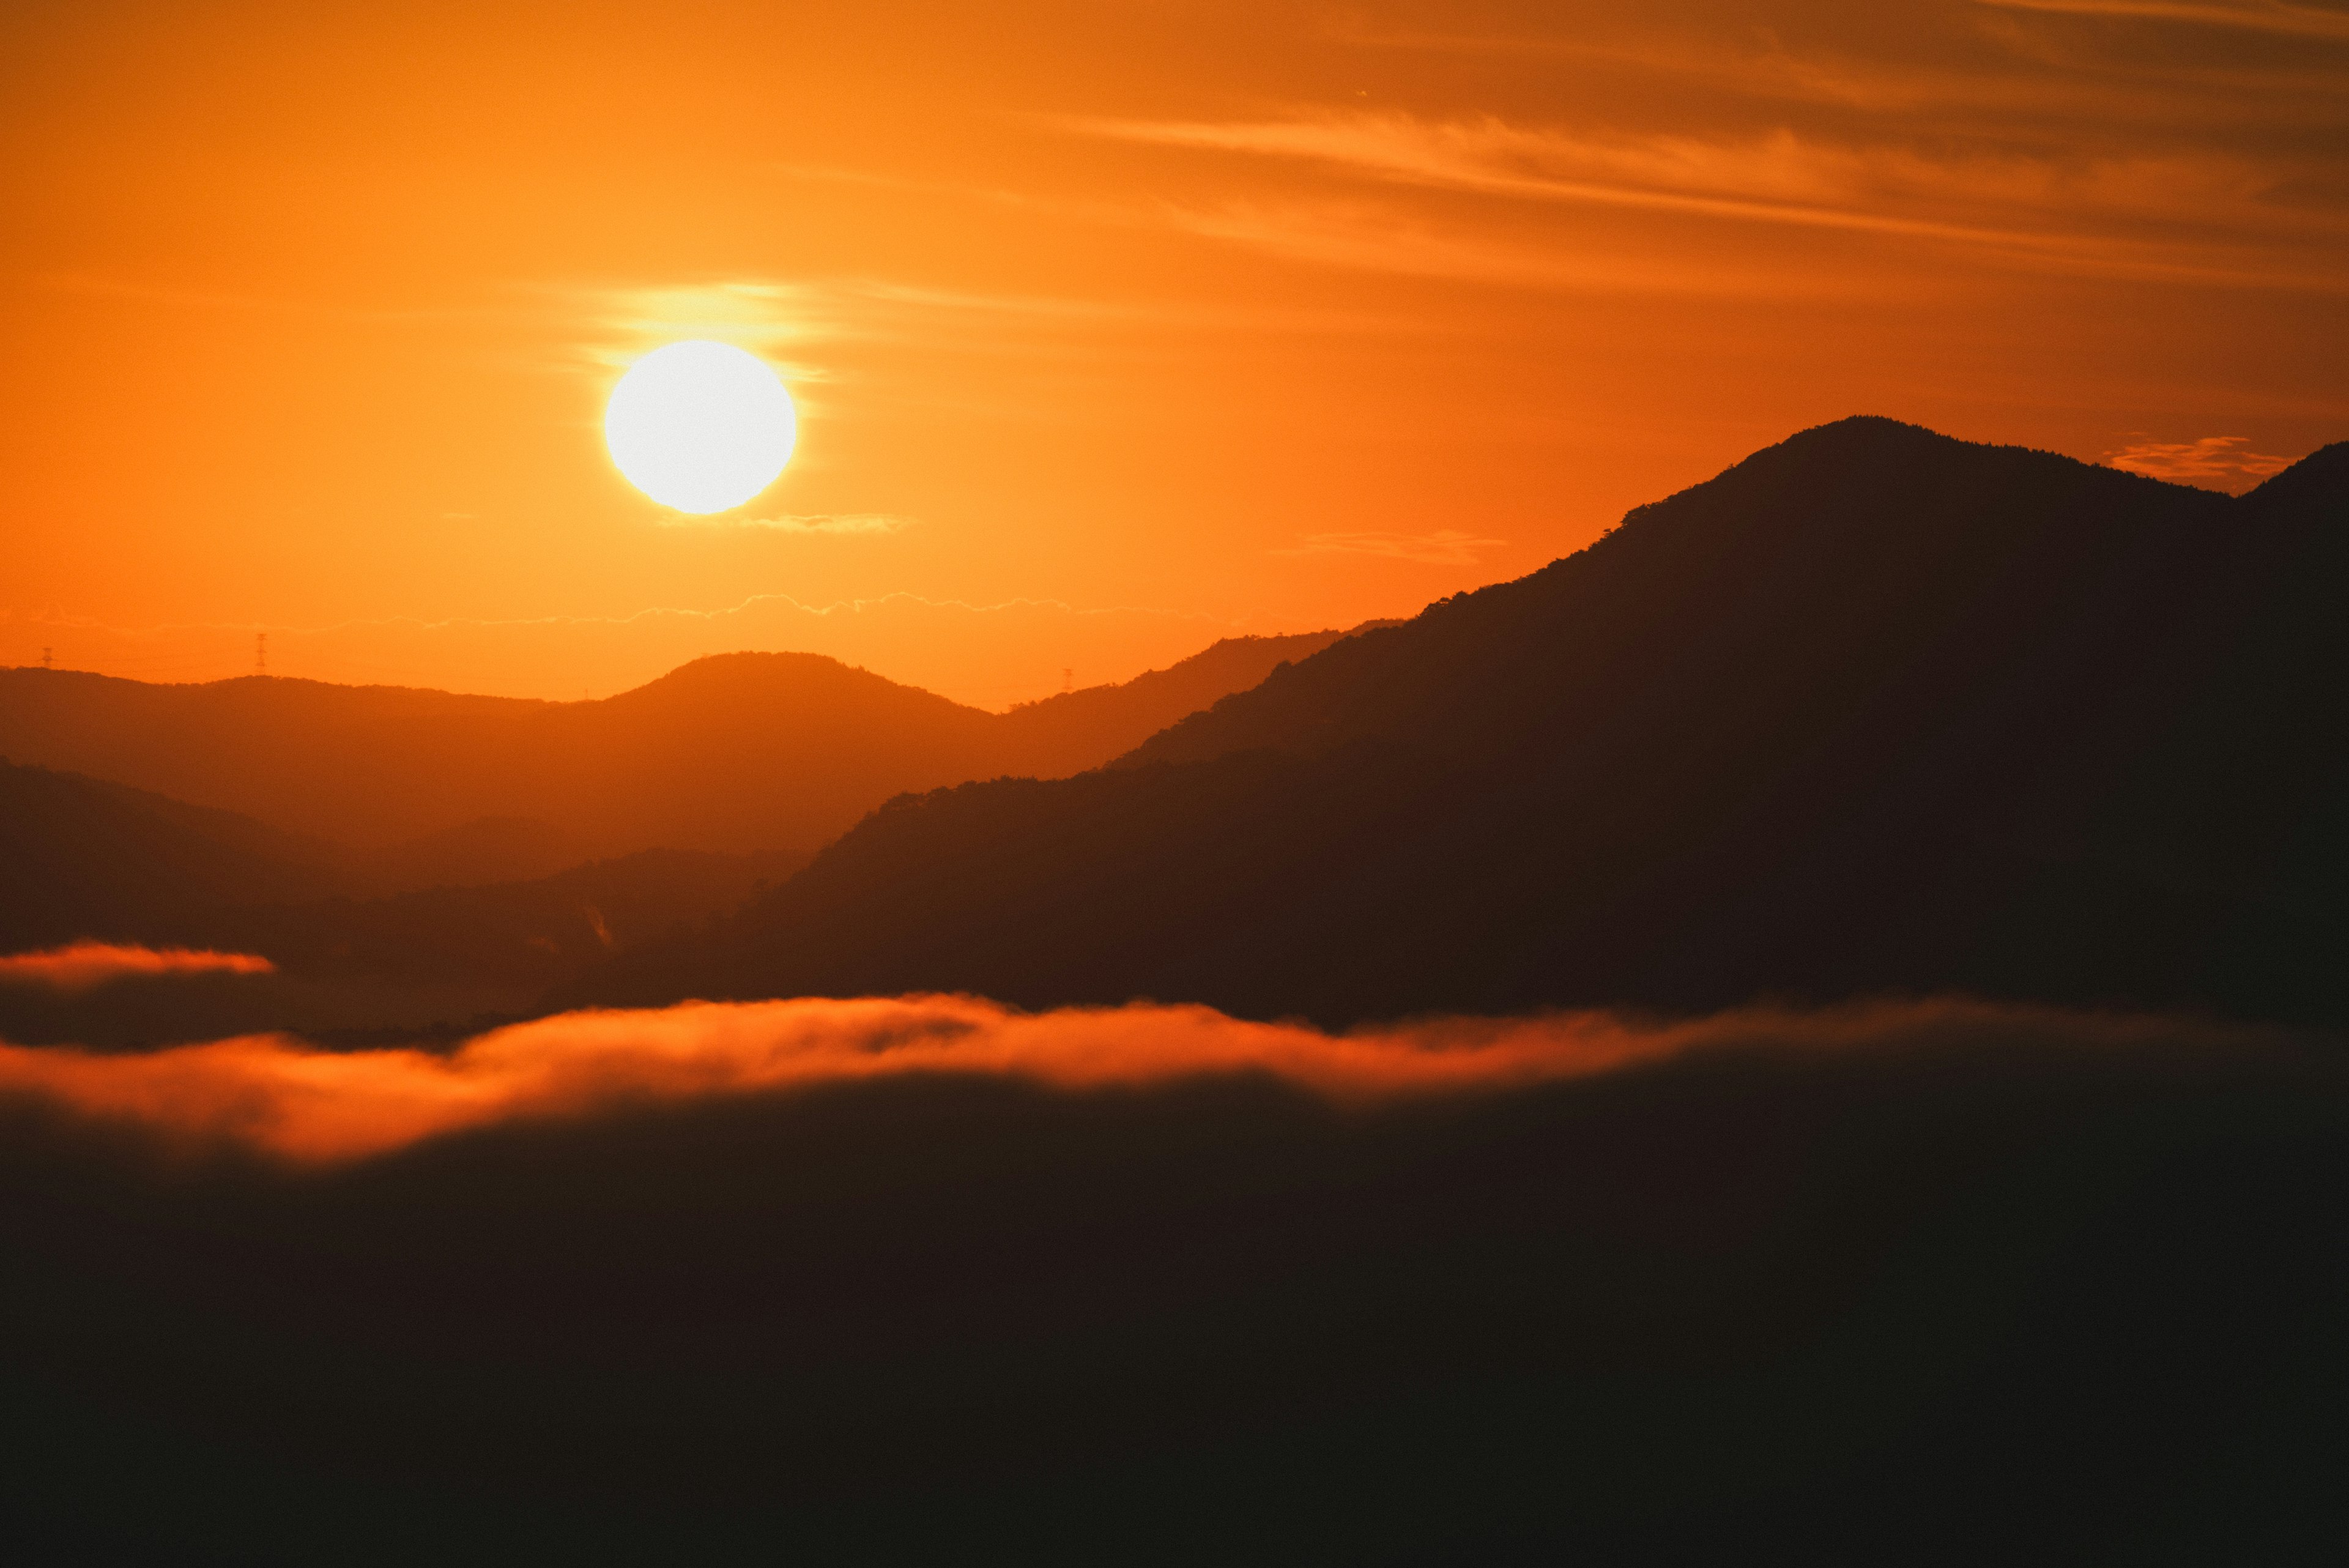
475,916
82,859
750,752
1873,710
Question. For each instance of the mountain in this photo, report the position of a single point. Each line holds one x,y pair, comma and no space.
1079,730
1875,710
739,752
485,850
82,858
524,936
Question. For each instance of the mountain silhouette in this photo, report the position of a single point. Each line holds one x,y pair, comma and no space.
82,859
85,859
745,752
1874,710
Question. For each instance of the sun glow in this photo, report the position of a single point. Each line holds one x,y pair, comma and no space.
700,426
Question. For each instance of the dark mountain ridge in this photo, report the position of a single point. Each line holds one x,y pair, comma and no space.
81,858
736,753
1873,710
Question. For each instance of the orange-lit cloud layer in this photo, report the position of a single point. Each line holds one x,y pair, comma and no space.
81,966
279,1097
1200,317
2215,462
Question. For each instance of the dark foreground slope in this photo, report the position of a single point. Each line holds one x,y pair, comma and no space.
1874,710
742,752
1957,1290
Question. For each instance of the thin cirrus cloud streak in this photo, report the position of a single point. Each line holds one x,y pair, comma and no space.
2104,216
1349,236
821,315
275,1097
84,966
2231,96
2291,21
809,523
1444,547
758,315
1768,181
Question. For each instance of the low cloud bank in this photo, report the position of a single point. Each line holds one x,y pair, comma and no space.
1130,1285
80,966
280,1097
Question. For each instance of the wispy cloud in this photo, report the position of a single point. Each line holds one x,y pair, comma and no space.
805,522
1444,547
1778,178
758,314
82,966
814,316
2214,461
2206,214
1356,235
2257,16
2078,92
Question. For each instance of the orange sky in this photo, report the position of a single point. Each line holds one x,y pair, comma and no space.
1115,328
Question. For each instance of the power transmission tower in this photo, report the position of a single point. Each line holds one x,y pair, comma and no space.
1067,681
48,660
261,653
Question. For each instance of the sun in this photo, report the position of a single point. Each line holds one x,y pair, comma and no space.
700,426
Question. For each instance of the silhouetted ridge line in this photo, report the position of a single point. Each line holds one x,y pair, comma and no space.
84,859
1873,710
735,752
2319,482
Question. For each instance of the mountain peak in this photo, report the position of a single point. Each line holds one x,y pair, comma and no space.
1868,450
1877,427
1876,710
1862,435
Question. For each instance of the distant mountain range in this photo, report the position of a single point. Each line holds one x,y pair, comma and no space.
1873,710
747,751
475,916
83,858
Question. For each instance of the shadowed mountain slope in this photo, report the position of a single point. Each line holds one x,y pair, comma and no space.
80,857
1874,710
1072,732
84,859
741,752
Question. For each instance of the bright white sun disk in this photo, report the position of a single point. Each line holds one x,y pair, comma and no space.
701,427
